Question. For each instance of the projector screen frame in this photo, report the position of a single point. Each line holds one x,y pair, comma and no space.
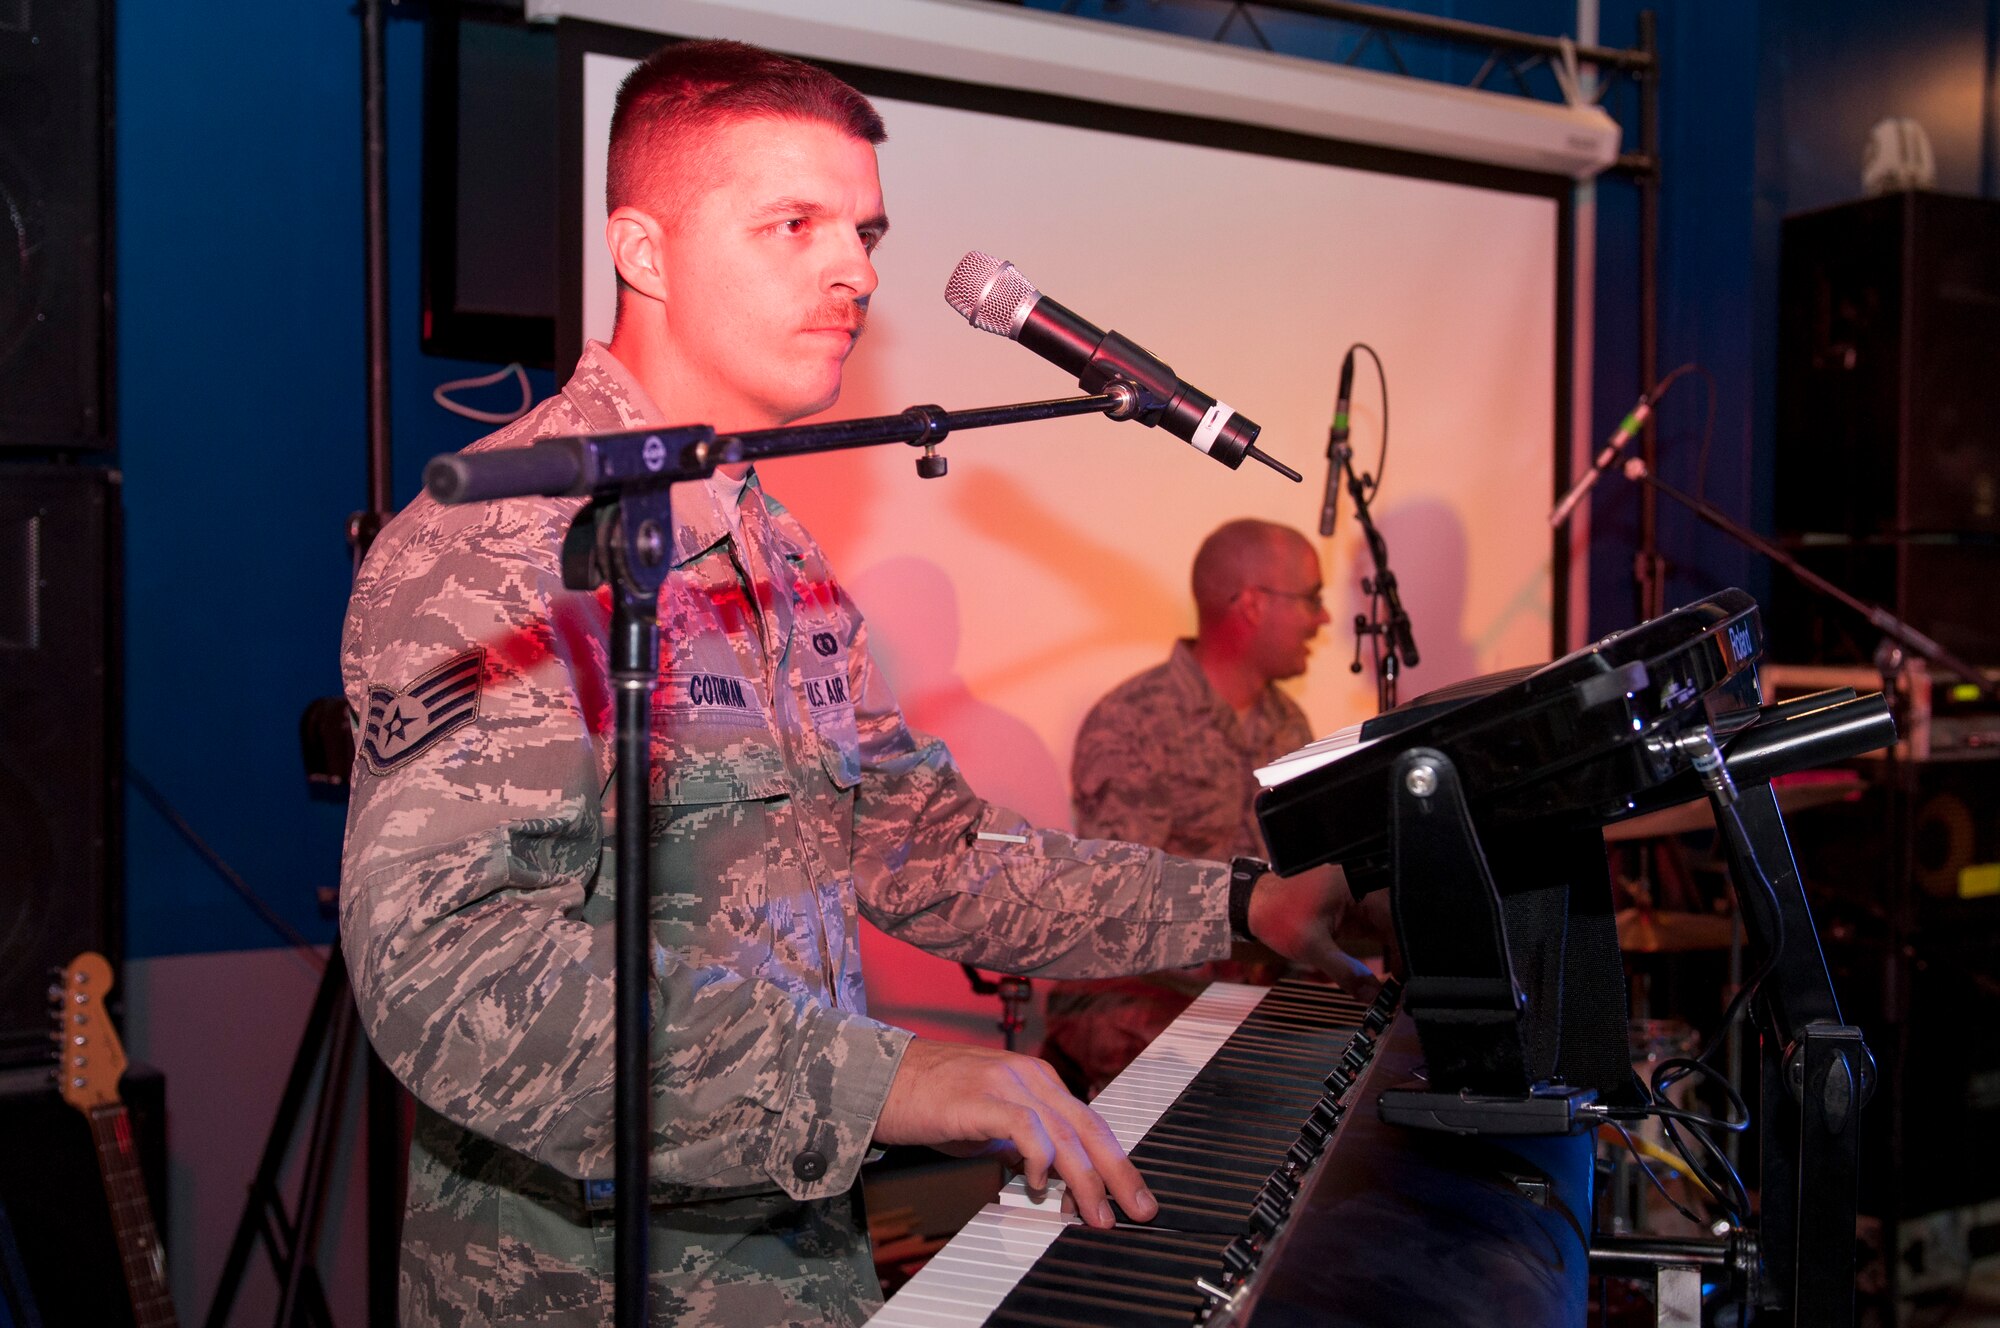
578,39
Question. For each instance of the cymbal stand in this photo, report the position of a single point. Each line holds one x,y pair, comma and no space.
1014,992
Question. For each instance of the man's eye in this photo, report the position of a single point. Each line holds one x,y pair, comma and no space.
796,225
869,239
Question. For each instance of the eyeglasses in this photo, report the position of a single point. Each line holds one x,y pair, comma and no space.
1314,598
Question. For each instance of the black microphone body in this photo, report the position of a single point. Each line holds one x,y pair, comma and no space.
1098,358
1336,448
994,297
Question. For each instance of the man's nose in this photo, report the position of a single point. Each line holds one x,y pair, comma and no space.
853,270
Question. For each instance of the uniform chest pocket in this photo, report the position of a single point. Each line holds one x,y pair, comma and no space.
712,741
831,706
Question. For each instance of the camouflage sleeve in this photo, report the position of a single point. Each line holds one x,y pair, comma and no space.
973,882
476,892
1117,777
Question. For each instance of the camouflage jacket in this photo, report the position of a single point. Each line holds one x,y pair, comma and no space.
787,793
1163,760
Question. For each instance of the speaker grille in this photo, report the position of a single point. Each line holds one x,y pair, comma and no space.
55,200
58,763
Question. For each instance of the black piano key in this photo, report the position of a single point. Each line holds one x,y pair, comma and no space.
1241,1188
1276,1067
1119,1266
1029,1307
1226,1098
1230,1097
1129,1275
1134,1287
1152,1157
1234,1136
1177,1142
1138,1240
1190,1205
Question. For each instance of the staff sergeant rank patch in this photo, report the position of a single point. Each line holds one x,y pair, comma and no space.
402,723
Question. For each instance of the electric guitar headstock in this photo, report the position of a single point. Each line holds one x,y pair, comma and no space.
89,1063
89,1058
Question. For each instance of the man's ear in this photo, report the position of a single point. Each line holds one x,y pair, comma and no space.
637,243
1249,607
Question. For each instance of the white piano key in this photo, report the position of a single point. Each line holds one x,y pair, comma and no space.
1323,751
966,1281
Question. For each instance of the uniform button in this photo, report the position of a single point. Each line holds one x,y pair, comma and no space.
809,1165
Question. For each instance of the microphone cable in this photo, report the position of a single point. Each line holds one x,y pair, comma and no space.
1371,482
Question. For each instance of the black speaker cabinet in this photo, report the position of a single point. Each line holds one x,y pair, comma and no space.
52,1206
59,744
55,233
1887,467
1888,399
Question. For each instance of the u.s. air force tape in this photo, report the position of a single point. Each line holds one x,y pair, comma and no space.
1212,424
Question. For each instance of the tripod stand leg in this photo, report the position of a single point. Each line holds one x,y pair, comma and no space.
321,1154
263,1205
386,1183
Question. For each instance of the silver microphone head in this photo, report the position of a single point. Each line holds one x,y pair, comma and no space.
991,294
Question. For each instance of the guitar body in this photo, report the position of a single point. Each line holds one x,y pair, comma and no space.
89,1063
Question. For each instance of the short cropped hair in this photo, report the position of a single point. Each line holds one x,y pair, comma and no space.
668,105
1235,556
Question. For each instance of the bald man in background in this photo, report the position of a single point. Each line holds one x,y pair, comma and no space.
1167,759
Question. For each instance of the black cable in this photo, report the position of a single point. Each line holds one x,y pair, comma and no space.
1733,831
1676,1068
1679,1207
1707,433
1725,1185
1373,482
145,789
1728,1181
1730,822
1727,1188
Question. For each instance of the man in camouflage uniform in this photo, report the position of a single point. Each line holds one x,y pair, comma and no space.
1167,758
788,797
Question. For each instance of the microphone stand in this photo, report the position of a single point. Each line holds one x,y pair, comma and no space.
1880,618
622,537
1386,626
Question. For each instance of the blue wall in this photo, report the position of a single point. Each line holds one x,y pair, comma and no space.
241,366
242,408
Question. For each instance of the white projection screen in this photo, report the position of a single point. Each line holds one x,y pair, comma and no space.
1052,562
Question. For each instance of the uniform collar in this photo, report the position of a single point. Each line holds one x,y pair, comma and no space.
609,399
1187,674
1264,712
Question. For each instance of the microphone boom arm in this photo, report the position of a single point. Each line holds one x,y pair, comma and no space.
1878,617
608,464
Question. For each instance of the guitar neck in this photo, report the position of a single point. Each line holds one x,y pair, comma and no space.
139,1248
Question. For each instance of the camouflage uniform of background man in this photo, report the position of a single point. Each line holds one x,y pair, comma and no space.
787,795
1168,757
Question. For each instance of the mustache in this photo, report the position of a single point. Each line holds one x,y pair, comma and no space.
847,315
